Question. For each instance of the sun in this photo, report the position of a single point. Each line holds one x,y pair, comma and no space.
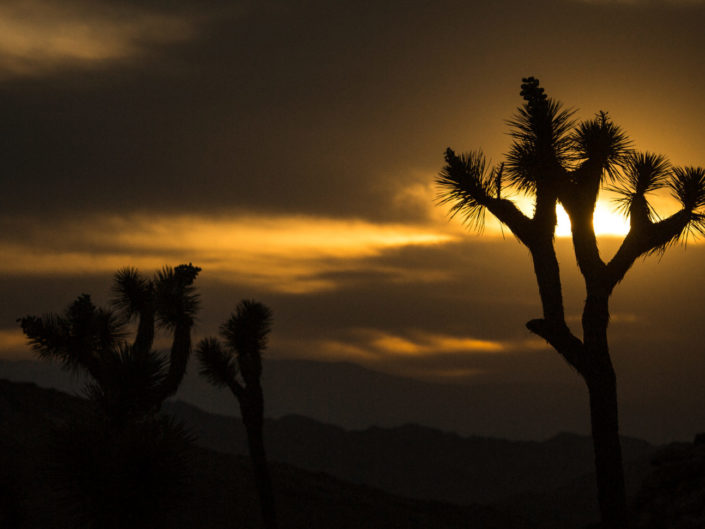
606,221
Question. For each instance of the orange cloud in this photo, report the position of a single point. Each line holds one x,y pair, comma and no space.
285,253
411,354
13,345
372,345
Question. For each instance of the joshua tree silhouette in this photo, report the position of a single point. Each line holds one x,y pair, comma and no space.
557,161
128,380
122,466
245,335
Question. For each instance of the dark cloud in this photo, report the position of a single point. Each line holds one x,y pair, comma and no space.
320,108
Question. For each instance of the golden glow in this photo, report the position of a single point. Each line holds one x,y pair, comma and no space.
13,345
399,354
605,220
372,345
286,254
424,344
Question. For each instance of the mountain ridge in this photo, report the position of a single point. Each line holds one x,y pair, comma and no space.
223,491
411,460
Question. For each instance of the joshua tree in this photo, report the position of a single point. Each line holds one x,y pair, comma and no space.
122,466
557,161
128,380
245,335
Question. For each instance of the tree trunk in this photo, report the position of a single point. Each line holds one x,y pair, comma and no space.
252,409
611,493
178,359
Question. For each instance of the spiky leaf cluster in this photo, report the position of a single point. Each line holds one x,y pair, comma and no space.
246,331
217,365
688,186
542,142
245,334
131,292
643,172
602,142
80,336
466,184
175,298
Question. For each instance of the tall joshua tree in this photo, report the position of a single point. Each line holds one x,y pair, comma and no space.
558,161
245,335
128,380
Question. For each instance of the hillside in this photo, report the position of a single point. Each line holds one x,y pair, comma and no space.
221,485
326,476
412,460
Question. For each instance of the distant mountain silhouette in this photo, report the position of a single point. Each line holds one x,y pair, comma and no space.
221,488
322,391
413,460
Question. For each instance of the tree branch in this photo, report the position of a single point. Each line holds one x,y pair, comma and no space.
506,211
579,198
562,340
237,389
643,239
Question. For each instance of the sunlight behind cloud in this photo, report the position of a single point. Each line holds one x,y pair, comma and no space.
286,254
371,344
606,221
432,343
412,353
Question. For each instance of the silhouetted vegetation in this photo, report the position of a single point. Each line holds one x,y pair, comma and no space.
245,335
129,381
673,495
121,465
555,160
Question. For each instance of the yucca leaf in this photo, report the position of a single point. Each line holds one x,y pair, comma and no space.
246,332
603,142
216,365
643,172
175,297
466,185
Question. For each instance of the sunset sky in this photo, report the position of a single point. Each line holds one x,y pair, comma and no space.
289,149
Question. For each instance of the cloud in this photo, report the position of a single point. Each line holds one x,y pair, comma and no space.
427,355
40,36
370,345
287,254
13,345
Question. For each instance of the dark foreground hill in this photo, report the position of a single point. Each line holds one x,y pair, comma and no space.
221,492
542,485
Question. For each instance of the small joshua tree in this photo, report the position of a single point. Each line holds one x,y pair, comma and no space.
127,380
556,161
245,335
122,465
